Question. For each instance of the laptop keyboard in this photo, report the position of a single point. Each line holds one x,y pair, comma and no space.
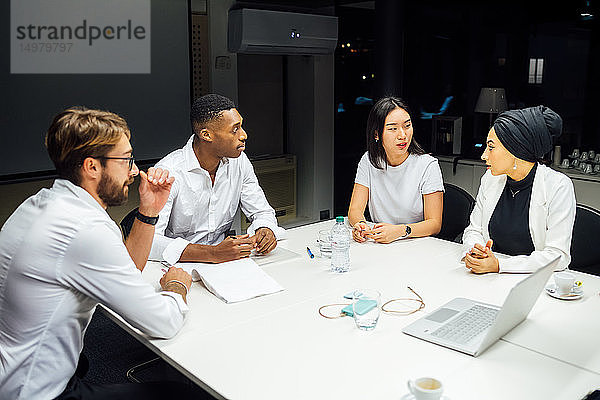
468,325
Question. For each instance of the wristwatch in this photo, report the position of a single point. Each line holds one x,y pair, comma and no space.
408,230
145,219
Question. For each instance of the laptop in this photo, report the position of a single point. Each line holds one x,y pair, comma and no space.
471,326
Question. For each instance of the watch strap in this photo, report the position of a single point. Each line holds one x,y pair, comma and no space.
145,219
408,230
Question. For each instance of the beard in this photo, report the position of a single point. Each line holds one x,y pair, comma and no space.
111,192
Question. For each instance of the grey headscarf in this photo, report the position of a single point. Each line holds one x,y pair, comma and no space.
528,133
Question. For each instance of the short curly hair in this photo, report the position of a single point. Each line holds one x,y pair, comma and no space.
78,133
208,108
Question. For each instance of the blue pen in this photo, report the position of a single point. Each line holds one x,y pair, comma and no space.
310,253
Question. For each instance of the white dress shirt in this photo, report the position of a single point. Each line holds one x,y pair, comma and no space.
551,218
199,212
60,255
396,193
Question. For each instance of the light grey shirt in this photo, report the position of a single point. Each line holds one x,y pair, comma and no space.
60,255
396,193
199,212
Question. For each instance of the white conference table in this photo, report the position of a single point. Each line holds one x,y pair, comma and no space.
278,346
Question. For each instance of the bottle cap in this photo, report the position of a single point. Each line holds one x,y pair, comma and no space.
339,219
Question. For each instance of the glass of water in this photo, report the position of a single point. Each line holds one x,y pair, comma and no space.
366,307
325,243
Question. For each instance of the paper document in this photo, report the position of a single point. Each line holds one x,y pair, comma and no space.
277,255
233,281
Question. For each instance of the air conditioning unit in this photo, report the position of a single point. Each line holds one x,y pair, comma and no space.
277,178
276,32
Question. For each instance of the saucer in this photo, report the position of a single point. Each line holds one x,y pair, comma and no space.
573,295
410,396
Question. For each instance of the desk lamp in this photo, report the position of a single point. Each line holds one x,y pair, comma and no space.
491,101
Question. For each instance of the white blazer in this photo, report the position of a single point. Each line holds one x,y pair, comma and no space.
551,218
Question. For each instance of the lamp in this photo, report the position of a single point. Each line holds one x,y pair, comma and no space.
491,101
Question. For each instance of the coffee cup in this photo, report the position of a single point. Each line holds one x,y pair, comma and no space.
597,158
575,163
565,163
564,282
591,154
425,388
583,156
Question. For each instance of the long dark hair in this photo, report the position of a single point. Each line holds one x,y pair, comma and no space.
375,126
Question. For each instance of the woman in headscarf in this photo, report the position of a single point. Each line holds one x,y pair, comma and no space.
524,209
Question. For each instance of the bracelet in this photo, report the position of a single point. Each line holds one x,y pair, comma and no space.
180,283
145,219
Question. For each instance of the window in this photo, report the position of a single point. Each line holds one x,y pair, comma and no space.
536,70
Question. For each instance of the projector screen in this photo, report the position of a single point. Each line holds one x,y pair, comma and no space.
129,57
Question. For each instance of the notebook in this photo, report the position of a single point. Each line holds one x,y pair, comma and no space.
233,281
471,326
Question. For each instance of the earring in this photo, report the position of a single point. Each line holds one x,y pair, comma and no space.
515,166
376,139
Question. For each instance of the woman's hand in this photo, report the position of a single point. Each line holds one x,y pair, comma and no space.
386,233
482,260
360,230
478,251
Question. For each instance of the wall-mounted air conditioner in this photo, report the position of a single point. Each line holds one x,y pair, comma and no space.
275,32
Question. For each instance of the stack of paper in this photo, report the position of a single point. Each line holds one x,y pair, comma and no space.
233,281
279,254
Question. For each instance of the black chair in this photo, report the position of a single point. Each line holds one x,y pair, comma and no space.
458,205
585,251
127,222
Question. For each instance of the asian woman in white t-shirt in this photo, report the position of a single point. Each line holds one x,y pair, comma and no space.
402,185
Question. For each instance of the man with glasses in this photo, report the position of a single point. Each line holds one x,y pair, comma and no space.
213,179
61,254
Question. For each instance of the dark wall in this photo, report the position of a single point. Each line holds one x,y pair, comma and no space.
435,48
155,105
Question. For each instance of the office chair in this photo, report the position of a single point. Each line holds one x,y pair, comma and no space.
127,222
458,205
585,252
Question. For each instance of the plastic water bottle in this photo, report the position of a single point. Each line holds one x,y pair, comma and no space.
340,246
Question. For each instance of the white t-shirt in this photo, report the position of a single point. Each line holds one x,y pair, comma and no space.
396,193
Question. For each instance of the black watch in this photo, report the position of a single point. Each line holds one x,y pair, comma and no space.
145,219
408,230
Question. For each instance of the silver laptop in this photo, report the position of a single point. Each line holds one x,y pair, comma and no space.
471,326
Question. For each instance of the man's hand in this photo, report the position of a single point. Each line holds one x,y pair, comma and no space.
154,190
232,248
264,240
360,230
175,279
386,233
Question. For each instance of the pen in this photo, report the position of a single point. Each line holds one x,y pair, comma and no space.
310,254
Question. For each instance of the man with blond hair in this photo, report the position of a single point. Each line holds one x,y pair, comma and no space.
61,254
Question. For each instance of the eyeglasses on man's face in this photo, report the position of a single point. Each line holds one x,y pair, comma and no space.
130,159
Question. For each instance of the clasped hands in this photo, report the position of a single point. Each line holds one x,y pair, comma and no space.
481,260
235,247
380,233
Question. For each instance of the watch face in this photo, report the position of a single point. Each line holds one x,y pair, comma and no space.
407,230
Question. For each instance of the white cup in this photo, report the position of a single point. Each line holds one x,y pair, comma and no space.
564,282
426,388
